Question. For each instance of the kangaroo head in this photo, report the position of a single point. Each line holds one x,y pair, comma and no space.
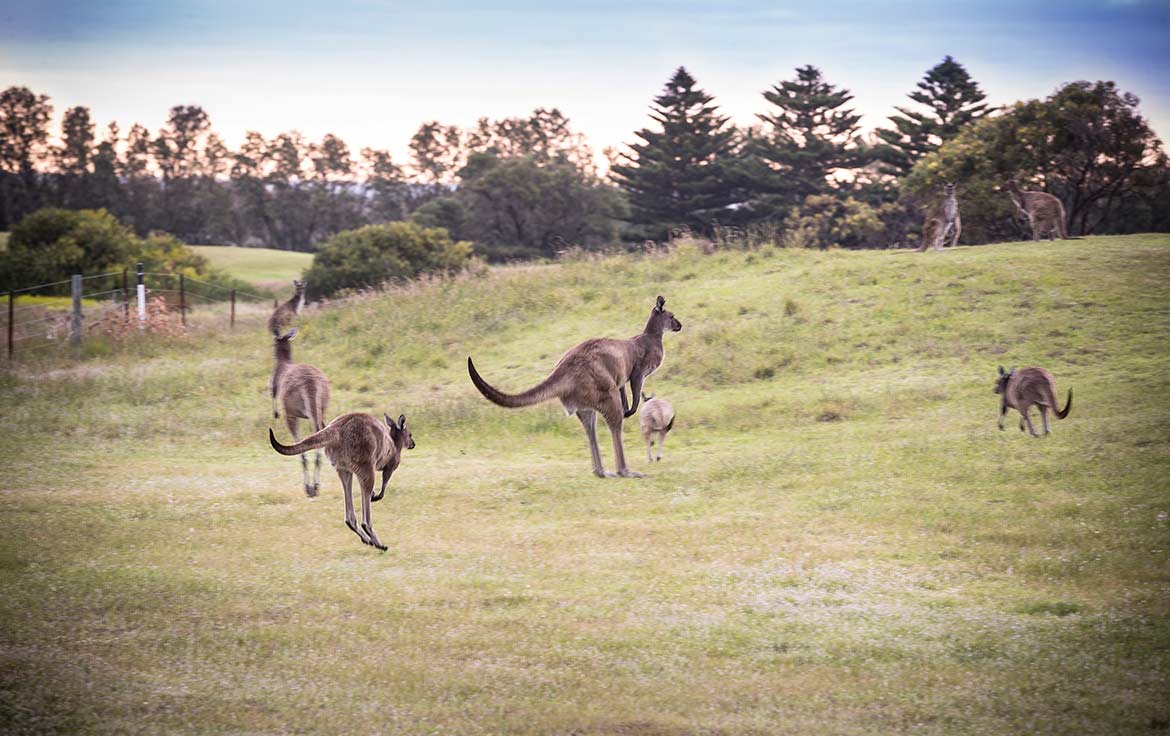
1001,381
1010,186
661,320
949,188
645,397
399,433
298,285
284,344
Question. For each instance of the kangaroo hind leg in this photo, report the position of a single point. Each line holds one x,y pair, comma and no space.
366,478
350,517
613,419
588,419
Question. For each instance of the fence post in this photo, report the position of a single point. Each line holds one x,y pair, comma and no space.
182,301
75,333
11,317
125,295
141,297
233,322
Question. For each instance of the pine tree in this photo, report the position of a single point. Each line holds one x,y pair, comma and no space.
800,145
681,174
952,98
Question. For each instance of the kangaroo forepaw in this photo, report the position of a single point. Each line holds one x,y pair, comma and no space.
377,498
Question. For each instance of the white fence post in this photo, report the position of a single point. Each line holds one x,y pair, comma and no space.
75,332
141,297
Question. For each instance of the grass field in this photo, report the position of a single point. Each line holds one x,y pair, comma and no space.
264,267
903,568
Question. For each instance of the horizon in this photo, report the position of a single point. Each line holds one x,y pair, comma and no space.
318,71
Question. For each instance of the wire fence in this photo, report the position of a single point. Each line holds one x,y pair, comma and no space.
36,318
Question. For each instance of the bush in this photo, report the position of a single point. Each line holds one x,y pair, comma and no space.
825,221
53,244
372,255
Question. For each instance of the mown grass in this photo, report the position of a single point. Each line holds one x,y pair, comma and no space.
266,268
838,540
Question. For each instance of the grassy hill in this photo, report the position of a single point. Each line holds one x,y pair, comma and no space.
264,267
837,541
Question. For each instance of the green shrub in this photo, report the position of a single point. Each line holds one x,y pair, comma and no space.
52,244
825,221
375,254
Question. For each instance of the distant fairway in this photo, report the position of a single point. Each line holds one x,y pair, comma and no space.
837,542
264,267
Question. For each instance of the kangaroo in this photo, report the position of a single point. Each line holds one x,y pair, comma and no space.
1044,212
657,419
283,315
1024,388
943,222
358,444
590,379
302,391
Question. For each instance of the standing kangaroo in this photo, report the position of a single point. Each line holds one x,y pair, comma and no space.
657,419
943,222
1025,388
358,444
302,391
590,379
1044,212
284,314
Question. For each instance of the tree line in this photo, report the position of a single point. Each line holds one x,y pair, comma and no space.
528,186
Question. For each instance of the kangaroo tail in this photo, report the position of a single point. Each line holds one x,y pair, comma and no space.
546,389
1067,405
318,439
669,426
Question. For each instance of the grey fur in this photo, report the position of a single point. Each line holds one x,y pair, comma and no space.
1025,388
591,378
302,392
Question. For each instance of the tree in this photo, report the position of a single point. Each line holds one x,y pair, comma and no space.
680,175
106,188
73,158
809,137
1086,144
24,133
142,188
386,193
375,254
519,208
952,100
437,153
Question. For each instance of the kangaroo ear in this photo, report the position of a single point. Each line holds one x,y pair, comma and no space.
660,304
1001,370
290,334
389,421
402,421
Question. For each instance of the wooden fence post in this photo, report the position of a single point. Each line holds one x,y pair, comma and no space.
182,301
75,333
233,322
141,298
125,295
11,318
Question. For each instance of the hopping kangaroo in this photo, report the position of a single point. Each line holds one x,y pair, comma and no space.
1044,212
302,392
283,315
1025,388
943,222
358,444
590,379
657,419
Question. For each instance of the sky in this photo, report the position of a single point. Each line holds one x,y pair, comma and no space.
372,72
